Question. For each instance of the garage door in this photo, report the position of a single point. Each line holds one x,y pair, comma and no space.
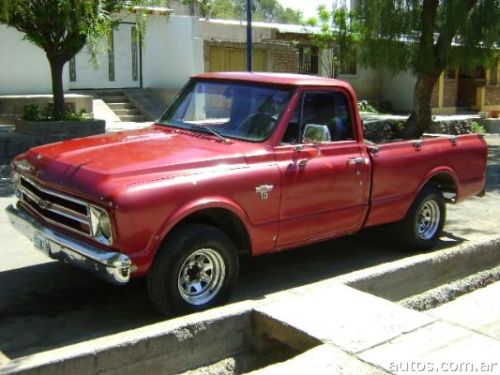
223,59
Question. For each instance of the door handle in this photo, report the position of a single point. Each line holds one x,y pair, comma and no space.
303,162
357,161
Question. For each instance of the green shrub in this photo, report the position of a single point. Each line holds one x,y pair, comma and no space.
32,112
477,128
364,106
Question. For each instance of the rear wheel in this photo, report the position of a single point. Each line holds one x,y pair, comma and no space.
196,269
421,227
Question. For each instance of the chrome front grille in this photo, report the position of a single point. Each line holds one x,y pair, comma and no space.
56,208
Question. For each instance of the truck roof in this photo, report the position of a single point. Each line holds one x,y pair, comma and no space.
275,78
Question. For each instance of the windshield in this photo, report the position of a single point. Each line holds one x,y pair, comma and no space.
234,110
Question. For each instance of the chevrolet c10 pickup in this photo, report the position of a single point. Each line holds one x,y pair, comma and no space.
238,164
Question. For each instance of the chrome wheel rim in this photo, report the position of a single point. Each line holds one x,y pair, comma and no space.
428,220
201,276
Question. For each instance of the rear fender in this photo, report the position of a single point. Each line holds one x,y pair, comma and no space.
436,172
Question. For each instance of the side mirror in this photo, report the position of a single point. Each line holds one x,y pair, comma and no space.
315,133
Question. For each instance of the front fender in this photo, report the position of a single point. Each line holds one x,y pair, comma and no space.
193,207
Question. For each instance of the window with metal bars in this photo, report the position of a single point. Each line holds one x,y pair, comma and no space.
308,60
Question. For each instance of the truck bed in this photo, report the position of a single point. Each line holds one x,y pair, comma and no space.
401,168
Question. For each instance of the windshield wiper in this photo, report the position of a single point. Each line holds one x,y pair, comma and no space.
206,129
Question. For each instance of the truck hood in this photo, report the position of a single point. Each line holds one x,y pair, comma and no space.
88,165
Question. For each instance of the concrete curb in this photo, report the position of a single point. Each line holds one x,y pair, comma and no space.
410,276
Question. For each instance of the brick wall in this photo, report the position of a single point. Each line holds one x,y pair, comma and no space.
492,95
285,59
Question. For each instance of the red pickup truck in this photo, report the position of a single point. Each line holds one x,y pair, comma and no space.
240,163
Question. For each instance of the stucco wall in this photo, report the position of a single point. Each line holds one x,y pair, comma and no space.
210,30
398,89
366,82
24,69
172,53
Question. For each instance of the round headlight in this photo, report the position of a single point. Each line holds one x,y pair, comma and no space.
101,225
105,225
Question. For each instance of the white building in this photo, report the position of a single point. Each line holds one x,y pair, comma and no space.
177,47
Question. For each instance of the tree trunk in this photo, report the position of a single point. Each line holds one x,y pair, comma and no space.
421,117
56,69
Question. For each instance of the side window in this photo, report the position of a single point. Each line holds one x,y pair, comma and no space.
322,108
330,109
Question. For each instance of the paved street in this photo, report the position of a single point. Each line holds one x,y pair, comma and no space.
44,304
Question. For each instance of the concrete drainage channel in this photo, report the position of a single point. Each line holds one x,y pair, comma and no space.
429,280
229,340
349,324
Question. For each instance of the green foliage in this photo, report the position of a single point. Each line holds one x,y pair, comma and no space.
364,106
477,127
425,36
32,112
263,10
336,33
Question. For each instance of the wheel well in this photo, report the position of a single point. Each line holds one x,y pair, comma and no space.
227,222
446,184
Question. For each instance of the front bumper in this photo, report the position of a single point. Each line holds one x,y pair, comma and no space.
113,267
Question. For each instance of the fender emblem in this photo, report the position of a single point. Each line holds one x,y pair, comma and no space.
264,191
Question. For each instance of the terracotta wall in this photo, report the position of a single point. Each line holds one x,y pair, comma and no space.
492,95
450,93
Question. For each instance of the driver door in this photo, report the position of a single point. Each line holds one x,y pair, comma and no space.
325,185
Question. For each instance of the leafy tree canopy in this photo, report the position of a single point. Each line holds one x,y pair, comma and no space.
336,33
425,36
263,10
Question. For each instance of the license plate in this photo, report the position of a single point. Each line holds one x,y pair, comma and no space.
42,244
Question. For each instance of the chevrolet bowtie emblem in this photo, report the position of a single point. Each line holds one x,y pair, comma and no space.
43,204
264,191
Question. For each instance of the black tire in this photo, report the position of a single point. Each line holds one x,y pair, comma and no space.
198,245
422,225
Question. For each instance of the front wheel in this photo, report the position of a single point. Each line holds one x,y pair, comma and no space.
421,227
196,269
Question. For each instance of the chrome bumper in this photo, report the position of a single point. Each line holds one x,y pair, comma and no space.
111,266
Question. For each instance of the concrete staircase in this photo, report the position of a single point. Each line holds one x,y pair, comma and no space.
119,103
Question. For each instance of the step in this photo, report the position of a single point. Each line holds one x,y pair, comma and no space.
127,111
115,99
120,106
133,118
102,93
